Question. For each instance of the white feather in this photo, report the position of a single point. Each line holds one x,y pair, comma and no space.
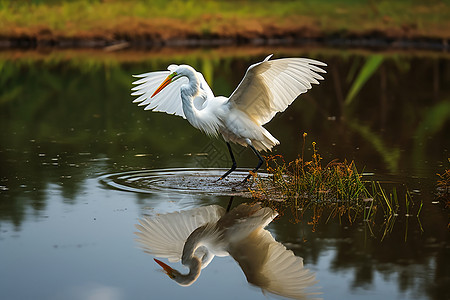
239,233
270,266
268,87
169,99
164,235
271,86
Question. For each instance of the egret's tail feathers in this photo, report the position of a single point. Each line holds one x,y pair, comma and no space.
267,143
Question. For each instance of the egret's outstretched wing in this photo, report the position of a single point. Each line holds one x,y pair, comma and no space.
244,219
165,235
270,266
271,86
169,99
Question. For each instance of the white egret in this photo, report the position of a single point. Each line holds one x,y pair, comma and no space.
268,87
195,236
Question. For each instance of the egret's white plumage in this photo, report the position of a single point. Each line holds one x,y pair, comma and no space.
268,87
164,235
240,233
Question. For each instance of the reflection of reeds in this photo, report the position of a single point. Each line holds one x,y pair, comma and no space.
443,188
336,190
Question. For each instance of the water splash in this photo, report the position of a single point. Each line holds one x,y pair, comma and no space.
180,180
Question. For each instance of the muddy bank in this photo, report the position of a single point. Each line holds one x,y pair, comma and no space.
303,37
116,25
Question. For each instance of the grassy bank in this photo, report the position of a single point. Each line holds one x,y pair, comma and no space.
131,20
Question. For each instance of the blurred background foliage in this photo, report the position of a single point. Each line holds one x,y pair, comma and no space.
46,98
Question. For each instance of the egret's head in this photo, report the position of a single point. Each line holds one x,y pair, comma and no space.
176,73
171,78
181,279
168,270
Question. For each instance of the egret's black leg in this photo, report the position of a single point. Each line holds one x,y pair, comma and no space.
233,167
229,203
260,162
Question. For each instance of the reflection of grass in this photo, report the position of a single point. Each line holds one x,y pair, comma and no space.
390,154
334,190
443,187
435,118
368,69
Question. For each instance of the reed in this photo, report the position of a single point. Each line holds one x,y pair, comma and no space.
443,185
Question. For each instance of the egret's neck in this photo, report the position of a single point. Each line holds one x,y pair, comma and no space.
195,267
198,110
189,259
188,92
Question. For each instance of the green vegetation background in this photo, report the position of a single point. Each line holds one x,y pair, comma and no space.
174,17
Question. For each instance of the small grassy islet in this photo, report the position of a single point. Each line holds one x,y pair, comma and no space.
335,190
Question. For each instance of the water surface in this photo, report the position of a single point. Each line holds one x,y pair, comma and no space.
68,123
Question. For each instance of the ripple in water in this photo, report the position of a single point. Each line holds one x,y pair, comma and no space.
181,180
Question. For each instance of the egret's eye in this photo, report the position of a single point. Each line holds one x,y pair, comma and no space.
174,76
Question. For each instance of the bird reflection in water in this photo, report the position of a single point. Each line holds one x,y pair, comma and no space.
195,236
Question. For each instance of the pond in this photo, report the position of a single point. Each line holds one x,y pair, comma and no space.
81,165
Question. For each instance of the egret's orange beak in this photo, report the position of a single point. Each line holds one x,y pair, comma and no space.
168,270
164,84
